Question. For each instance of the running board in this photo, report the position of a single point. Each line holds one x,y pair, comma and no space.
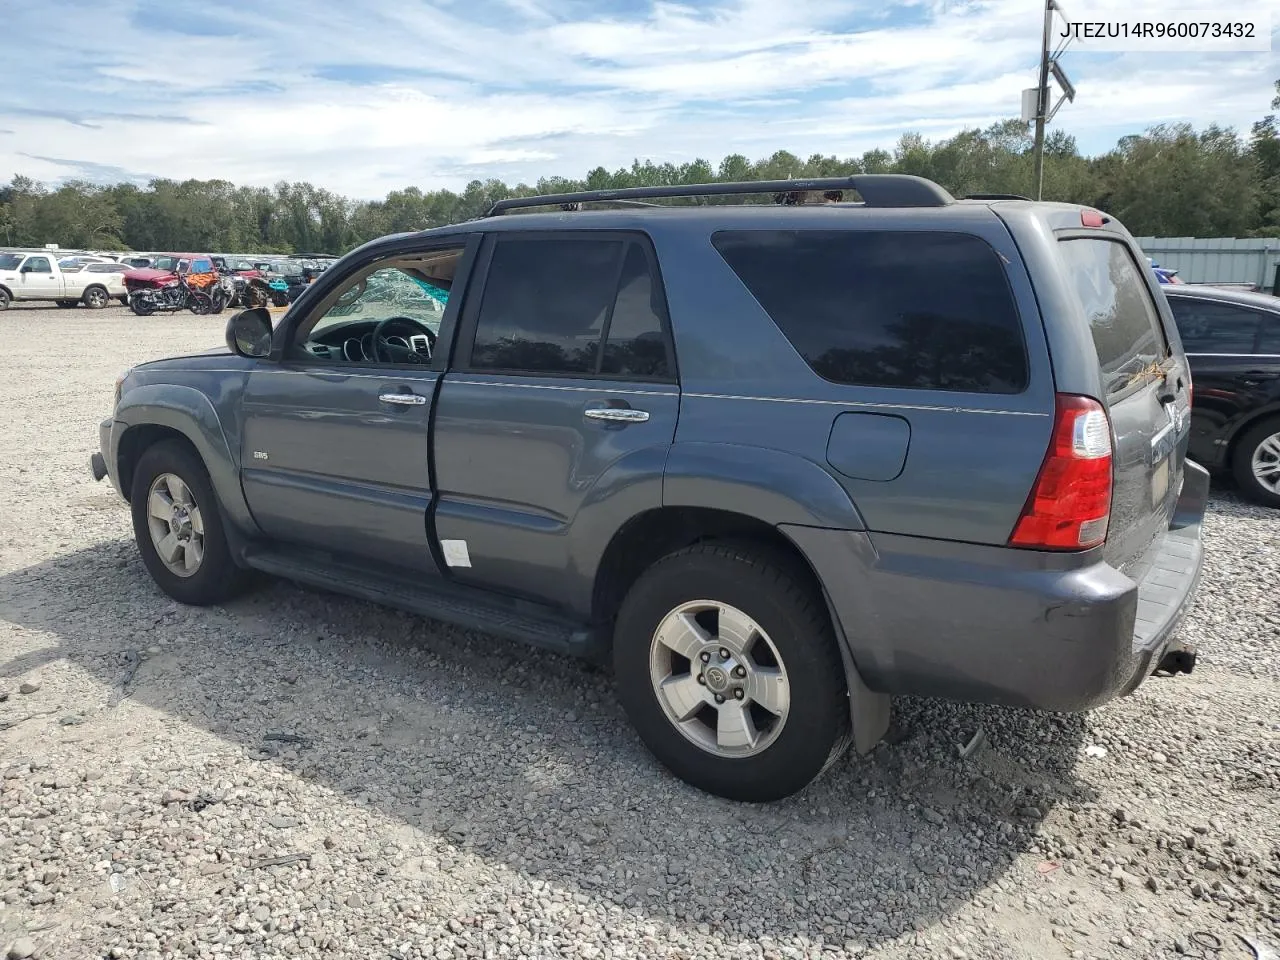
462,606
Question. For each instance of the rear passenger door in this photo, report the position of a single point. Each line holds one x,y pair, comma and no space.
1231,376
555,420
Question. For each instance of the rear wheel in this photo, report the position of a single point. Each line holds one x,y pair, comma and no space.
177,524
1256,463
4,299
727,666
200,304
95,298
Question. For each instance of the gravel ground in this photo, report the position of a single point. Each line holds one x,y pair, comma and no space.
298,774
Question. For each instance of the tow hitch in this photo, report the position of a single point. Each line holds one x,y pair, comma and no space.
1179,658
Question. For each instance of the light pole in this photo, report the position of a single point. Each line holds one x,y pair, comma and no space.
1039,102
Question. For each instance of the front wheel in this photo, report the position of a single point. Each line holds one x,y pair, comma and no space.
727,665
95,298
177,524
1257,463
4,299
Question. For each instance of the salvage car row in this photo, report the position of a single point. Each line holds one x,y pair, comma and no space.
155,282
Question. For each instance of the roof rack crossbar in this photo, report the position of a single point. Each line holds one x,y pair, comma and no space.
876,190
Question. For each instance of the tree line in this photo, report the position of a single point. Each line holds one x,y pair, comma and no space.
1169,181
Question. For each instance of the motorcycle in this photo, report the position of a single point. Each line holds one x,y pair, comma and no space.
177,295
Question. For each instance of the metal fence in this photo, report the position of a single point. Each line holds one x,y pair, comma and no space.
1217,259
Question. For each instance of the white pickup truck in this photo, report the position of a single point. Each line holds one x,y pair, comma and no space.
37,276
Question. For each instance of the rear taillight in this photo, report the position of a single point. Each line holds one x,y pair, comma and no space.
1071,501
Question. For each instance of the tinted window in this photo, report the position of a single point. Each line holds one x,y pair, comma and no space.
635,344
106,268
37,265
1116,302
1207,327
1269,342
545,304
929,311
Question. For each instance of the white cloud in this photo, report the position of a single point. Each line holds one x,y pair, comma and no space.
519,89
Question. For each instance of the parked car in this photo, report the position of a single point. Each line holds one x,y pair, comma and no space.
37,276
778,463
285,278
1232,340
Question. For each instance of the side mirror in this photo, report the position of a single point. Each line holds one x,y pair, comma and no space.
249,333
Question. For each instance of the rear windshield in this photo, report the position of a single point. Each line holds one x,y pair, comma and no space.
1116,302
925,311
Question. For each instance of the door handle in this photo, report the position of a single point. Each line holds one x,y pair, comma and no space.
403,399
617,414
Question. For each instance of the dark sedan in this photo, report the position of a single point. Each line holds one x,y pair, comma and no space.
1232,340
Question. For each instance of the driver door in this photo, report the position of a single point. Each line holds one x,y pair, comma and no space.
39,282
335,449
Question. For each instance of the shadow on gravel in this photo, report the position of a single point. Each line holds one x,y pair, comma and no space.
525,758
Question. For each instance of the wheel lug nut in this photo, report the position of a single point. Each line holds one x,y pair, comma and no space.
739,672
704,656
702,680
724,654
719,698
737,693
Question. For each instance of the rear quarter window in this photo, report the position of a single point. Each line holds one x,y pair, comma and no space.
927,311
1116,303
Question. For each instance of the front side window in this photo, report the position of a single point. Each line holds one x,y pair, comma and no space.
37,265
925,311
388,315
1208,327
579,306
1115,301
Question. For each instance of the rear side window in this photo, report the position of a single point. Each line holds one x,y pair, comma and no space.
1269,341
1116,302
1207,327
571,306
929,311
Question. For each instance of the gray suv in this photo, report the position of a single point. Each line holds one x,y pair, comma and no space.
778,462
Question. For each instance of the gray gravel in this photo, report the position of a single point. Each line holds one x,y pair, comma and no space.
299,774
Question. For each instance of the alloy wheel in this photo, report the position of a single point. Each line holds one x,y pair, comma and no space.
175,524
719,679
1265,463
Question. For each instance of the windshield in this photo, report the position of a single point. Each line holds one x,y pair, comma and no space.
164,263
287,269
10,261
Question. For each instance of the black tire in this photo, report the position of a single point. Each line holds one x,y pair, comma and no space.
279,298
217,578
4,299
141,307
1242,462
201,304
767,588
95,298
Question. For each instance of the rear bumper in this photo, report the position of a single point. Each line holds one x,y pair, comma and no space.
997,625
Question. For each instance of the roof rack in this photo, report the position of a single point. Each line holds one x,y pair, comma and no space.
994,196
876,190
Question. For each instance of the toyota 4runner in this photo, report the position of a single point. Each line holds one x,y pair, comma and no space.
779,462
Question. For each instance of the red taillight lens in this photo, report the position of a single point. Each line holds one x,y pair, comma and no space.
1071,501
1091,218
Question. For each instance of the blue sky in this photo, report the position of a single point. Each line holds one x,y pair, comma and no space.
365,97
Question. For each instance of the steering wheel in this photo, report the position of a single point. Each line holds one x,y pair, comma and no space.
386,352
